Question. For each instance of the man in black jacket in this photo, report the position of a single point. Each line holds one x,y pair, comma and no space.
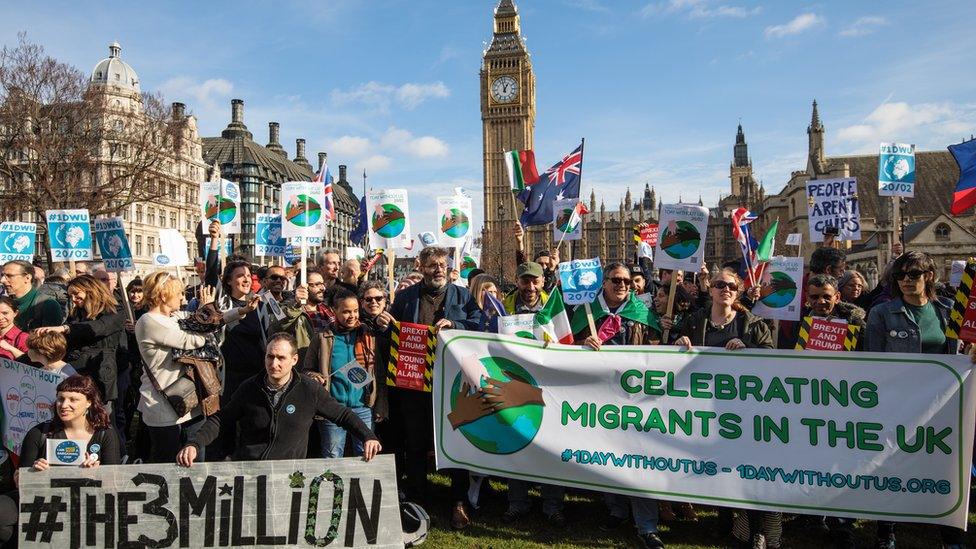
274,411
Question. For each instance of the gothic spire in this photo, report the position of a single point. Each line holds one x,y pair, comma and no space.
815,118
740,152
816,155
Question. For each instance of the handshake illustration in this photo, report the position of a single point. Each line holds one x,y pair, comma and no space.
474,404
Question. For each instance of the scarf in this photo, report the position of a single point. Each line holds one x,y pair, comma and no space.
609,324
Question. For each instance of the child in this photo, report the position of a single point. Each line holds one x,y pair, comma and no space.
48,349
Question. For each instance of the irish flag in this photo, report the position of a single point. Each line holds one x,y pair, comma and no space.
521,169
552,322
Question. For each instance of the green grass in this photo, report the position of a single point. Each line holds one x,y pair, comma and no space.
585,510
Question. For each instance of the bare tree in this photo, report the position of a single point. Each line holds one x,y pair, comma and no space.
67,145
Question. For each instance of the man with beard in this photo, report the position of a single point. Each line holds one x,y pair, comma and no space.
304,321
823,300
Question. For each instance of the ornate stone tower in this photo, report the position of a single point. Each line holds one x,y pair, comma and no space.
740,173
508,123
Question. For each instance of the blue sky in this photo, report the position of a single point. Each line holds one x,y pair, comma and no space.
657,88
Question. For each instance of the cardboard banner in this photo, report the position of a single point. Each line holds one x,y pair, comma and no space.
220,201
896,170
581,280
833,203
962,318
566,225
297,503
794,239
268,241
301,207
173,249
682,241
69,235
780,289
389,218
18,241
822,334
411,356
28,399
453,220
113,245
880,436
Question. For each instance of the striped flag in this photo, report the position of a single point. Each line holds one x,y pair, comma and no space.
325,177
521,169
552,322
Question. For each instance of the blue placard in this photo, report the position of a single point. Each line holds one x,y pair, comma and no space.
896,170
69,235
18,241
293,253
227,251
268,239
581,280
113,245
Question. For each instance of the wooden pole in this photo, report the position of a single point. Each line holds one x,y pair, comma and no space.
589,319
125,297
72,268
671,292
304,264
391,259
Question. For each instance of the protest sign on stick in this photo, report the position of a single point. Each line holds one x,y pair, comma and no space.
69,235
18,241
268,239
389,219
453,220
896,170
411,356
681,244
221,201
833,204
113,244
779,294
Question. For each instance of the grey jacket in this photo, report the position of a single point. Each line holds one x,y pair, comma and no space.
890,329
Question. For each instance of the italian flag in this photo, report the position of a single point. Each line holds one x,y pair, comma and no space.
552,322
521,169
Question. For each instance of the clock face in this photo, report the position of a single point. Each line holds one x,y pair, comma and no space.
504,89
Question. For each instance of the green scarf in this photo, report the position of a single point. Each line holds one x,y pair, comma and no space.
633,309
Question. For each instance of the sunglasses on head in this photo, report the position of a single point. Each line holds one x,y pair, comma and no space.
619,280
914,274
721,285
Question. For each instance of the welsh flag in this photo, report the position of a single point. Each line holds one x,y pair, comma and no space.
521,169
552,322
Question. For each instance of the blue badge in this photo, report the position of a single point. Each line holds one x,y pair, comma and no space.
290,408
94,448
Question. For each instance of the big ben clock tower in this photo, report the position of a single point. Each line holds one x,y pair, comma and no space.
508,122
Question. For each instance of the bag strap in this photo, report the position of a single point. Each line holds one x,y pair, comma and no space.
155,384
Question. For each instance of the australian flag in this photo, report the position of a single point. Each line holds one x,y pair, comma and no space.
558,182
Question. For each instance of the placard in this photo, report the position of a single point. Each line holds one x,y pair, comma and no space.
567,223
113,244
69,235
833,203
453,220
268,241
821,334
780,289
581,280
389,219
522,325
646,232
794,239
18,241
355,252
66,451
173,247
29,395
301,207
296,503
963,302
411,356
896,170
681,244
221,201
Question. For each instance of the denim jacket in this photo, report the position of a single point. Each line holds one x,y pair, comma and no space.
890,329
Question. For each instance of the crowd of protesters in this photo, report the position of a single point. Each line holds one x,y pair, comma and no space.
281,344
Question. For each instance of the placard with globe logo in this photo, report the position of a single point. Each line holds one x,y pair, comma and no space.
268,241
454,219
469,262
581,280
681,239
565,225
779,293
113,244
389,218
69,235
221,201
301,208
17,241
896,170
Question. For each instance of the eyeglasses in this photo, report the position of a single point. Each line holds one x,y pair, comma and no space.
914,274
619,280
277,278
721,285
11,275
435,267
373,299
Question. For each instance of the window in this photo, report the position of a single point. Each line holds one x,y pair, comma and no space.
151,244
138,245
138,213
942,232
172,220
152,217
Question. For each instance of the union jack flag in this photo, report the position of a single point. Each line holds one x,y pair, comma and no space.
741,218
569,164
328,209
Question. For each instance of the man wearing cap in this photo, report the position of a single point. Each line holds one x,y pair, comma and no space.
529,297
637,281
548,261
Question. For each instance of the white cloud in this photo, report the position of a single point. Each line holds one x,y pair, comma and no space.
408,96
698,9
863,26
374,163
185,89
349,145
926,124
798,24
588,5
397,139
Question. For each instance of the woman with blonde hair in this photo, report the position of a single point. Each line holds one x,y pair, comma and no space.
159,333
94,331
480,285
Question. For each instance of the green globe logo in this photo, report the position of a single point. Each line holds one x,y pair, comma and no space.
508,430
680,239
468,264
455,223
388,220
303,211
220,208
779,291
562,221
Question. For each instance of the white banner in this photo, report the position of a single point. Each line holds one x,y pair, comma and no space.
173,249
681,242
28,399
833,203
453,220
301,207
780,289
882,436
389,218
220,201
298,503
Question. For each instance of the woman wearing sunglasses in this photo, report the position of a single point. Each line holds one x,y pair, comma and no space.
913,321
727,323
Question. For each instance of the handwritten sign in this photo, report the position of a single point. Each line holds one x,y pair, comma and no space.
832,203
28,399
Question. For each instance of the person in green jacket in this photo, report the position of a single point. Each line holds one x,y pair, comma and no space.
34,310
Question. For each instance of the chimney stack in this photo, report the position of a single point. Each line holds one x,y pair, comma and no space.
274,144
236,128
300,150
237,111
179,111
322,158
342,172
